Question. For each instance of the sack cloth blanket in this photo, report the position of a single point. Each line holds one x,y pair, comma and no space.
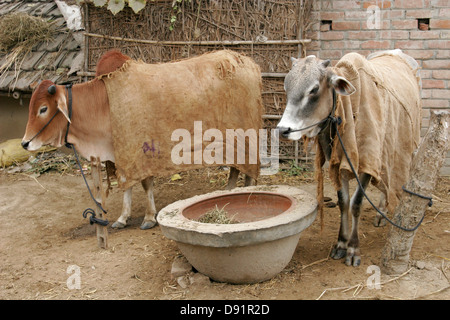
381,121
161,115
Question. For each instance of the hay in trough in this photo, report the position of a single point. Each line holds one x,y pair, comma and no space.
19,33
217,215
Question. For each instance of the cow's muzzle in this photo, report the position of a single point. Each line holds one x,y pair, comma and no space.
25,144
284,131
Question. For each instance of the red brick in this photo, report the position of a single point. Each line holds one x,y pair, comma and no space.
445,34
346,25
429,34
330,54
445,12
361,35
426,74
361,52
331,15
381,5
325,28
420,54
393,14
404,24
441,74
436,64
426,94
346,5
436,104
442,54
376,44
384,24
433,84
438,44
424,13
409,44
347,44
332,35
356,15
440,94
440,3
394,34
439,24
408,3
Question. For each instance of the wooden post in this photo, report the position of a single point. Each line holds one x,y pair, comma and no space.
425,168
100,196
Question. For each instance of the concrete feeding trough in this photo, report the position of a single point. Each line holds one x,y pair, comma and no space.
256,246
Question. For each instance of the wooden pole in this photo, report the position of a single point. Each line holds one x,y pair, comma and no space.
100,196
201,43
425,168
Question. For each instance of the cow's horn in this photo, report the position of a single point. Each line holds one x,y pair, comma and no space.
52,89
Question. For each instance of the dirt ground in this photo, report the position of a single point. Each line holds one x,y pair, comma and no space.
43,234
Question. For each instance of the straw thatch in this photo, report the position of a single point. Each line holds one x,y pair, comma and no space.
19,32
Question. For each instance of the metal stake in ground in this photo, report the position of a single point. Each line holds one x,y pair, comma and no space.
100,196
425,168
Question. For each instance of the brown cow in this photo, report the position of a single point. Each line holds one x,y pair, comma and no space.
90,127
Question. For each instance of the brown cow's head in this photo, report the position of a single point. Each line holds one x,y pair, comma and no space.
308,87
47,117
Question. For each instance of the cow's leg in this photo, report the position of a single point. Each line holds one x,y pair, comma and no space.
126,210
353,256
249,181
379,220
340,249
150,212
232,178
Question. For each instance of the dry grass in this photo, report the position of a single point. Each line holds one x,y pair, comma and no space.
22,29
217,215
19,33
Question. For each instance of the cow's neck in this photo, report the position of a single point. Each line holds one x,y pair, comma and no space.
327,134
90,129
325,139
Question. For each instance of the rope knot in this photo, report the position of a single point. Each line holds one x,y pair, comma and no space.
337,120
93,219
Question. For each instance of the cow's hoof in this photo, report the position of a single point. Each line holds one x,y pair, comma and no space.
147,225
118,225
379,221
354,261
353,258
338,253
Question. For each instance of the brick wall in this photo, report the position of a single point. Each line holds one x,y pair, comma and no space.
421,28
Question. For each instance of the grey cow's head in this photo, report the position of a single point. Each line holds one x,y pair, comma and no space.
308,87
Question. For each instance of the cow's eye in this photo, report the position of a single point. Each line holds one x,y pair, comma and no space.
43,110
314,90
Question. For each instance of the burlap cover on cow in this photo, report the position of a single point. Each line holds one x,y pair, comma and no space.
149,101
381,121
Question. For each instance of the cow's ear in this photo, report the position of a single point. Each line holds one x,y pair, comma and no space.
62,105
326,63
341,85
